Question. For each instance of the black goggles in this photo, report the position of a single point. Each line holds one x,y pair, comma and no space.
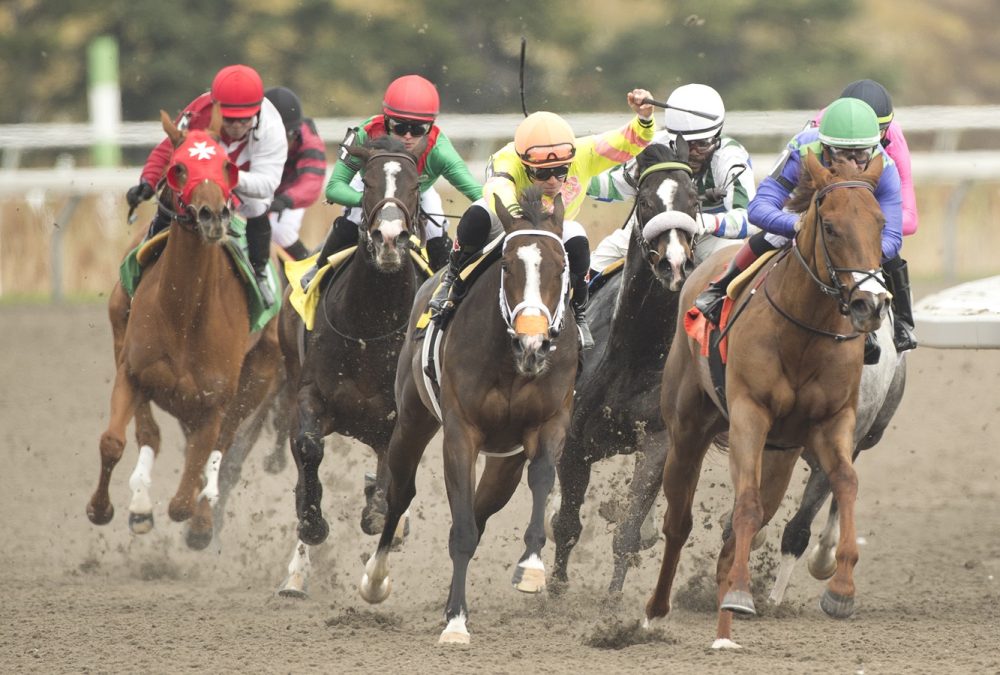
545,173
403,127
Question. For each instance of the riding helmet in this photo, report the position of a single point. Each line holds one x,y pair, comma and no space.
288,104
849,123
411,97
545,139
695,111
239,90
875,95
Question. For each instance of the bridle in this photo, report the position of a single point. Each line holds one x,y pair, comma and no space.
836,289
369,216
555,319
652,255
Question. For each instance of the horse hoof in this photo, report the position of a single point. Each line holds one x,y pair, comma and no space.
529,579
455,633
374,594
198,541
822,565
836,605
100,516
275,462
314,531
140,523
372,522
294,586
725,643
739,602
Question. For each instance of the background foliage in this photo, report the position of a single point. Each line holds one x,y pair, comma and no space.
582,55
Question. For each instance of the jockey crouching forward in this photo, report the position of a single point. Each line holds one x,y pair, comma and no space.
720,168
409,108
849,130
254,138
546,153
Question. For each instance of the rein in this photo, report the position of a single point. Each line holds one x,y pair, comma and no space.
509,314
361,342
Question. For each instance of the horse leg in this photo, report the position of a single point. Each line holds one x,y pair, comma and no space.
647,479
574,478
200,443
299,568
832,442
147,435
124,400
307,449
410,436
500,478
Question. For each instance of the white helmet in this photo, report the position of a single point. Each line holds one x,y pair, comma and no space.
705,115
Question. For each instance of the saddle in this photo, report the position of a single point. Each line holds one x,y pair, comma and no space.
600,280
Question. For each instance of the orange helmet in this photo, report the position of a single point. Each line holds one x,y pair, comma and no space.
544,139
239,90
411,97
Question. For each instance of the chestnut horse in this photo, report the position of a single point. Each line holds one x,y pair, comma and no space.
343,382
186,344
794,367
617,407
506,378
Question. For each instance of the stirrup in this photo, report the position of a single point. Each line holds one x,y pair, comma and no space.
710,302
873,352
265,287
903,338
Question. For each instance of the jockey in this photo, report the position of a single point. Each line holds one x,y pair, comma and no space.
721,171
254,138
546,153
849,129
303,176
409,109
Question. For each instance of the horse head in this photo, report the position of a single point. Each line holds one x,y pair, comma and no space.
666,208
200,177
390,200
840,237
534,279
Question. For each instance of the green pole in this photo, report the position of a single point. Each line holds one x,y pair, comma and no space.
104,98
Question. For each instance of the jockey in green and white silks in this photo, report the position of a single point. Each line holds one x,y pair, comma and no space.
722,174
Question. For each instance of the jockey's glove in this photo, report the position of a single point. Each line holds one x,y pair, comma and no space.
279,204
138,194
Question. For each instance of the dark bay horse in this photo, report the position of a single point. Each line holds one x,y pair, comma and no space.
186,344
795,352
343,382
617,407
506,380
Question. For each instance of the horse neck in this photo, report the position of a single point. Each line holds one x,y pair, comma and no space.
645,312
189,268
367,288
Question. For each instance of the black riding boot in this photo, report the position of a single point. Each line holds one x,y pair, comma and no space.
438,251
710,301
259,245
297,250
160,222
898,276
442,303
343,233
873,352
579,304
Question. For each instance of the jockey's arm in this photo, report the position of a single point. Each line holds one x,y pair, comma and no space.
899,150
731,168
501,181
309,170
765,210
267,159
889,197
450,164
611,186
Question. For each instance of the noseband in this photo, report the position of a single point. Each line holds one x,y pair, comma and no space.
555,320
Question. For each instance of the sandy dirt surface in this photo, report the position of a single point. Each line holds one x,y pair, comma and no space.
82,598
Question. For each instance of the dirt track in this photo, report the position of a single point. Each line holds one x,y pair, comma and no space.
83,598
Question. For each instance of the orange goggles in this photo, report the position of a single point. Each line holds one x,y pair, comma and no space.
540,155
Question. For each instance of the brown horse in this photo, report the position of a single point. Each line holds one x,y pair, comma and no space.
506,380
794,366
186,344
342,375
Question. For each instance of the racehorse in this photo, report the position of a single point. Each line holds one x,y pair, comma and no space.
617,407
345,367
791,381
186,343
506,380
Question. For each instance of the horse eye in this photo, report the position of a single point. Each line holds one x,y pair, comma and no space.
829,229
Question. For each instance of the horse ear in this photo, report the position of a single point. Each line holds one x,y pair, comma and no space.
359,151
232,174
819,173
681,148
173,133
502,213
177,177
874,170
558,210
215,125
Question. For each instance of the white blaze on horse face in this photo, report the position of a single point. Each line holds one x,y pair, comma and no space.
391,229
871,282
676,253
666,192
531,256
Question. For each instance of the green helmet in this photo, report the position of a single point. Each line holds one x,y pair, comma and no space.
849,123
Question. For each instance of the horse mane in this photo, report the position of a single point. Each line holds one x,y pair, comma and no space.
655,153
801,197
531,204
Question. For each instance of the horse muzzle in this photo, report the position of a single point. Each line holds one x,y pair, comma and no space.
390,242
531,340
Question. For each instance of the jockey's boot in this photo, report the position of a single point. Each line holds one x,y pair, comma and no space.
579,304
452,287
343,233
160,222
898,276
710,301
297,250
259,248
872,350
438,251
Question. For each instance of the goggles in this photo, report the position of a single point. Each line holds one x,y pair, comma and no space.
704,144
860,156
562,153
545,173
403,127
232,121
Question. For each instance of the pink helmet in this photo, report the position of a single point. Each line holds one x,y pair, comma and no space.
411,97
239,90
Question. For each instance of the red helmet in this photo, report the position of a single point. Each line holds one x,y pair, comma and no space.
239,90
411,97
